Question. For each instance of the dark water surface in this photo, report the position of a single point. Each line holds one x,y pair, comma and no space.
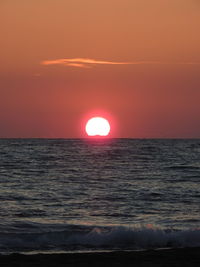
75,194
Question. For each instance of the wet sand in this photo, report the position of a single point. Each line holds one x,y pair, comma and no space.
165,258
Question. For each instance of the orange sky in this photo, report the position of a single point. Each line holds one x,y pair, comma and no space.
136,60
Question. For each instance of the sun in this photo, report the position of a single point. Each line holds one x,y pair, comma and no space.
97,126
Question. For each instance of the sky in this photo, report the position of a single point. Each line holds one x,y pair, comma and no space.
136,62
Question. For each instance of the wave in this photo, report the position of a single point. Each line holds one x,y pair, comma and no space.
99,238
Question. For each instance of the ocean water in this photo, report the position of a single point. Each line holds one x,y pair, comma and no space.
106,194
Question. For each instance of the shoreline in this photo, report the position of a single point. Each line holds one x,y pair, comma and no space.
149,258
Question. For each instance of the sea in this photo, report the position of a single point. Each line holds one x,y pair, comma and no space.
77,195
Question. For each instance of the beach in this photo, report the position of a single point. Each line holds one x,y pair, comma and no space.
150,258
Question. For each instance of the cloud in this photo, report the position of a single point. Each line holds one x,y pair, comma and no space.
81,62
88,63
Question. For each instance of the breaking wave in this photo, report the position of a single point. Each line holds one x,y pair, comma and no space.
99,238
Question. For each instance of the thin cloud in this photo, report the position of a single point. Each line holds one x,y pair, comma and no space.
79,65
81,62
88,63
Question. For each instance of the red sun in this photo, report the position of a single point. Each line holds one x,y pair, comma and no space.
97,126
